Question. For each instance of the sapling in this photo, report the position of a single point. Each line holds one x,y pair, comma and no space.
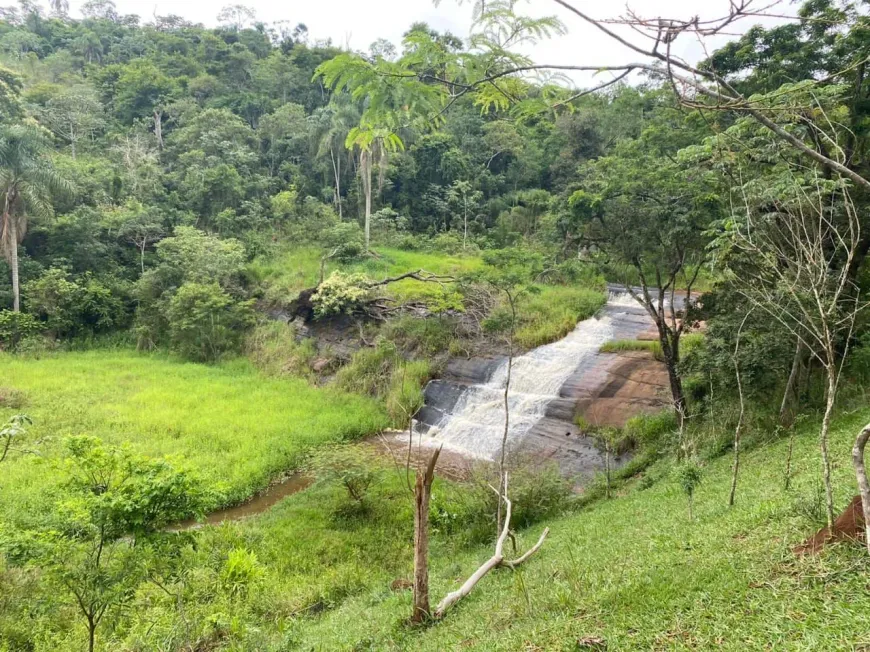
689,476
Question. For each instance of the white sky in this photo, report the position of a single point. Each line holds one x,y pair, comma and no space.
359,22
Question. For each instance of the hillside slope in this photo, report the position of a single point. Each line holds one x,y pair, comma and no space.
636,572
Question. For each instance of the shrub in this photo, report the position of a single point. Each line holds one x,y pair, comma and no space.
340,293
380,371
405,392
649,430
70,307
536,492
205,323
370,370
15,327
240,571
344,241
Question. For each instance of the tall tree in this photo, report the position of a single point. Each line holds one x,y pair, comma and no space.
27,181
334,124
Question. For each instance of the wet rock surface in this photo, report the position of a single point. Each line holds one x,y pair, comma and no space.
605,389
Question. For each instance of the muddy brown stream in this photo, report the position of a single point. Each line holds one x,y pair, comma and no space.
256,505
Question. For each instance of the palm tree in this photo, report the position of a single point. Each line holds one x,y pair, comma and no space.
374,145
27,181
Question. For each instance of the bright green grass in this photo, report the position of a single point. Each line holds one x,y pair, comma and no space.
688,342
638,573
621,346
237,427
554,312
296,269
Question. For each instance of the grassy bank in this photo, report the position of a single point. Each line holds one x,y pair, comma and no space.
235,426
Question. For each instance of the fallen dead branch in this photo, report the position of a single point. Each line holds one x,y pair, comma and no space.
496,561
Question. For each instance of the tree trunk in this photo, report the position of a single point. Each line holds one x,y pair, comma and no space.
861,475
13,262
422,494
92,633
792,381
465,225
366,171
739,427
788,458
830,398
142,255
158,127
507,412
670,352
338,186
737,432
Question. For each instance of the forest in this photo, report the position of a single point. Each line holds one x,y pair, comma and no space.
438,344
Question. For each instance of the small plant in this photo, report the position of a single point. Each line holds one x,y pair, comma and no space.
12,433
240,571
689,476
348,466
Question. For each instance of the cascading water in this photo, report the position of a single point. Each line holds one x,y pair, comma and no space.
475,425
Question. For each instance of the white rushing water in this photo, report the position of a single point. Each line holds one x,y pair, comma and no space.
476,425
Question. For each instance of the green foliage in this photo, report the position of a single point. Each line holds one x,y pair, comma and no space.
344,241
428,336
654,347
383,372
120,493
12,433
187,301
15,327
650,430
205,323
240,572
68,307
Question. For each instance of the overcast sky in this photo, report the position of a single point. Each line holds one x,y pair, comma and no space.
359,22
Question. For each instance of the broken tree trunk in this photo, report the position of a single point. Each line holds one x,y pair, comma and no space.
496,561
422,494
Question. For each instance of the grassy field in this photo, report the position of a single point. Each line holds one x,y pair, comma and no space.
237,427
315,572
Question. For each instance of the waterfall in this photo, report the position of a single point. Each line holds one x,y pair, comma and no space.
475,425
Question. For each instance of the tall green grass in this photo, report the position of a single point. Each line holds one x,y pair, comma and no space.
654,347
237,427
553,312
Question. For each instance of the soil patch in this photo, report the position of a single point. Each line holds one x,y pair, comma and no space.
12,398
393,444
849,526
